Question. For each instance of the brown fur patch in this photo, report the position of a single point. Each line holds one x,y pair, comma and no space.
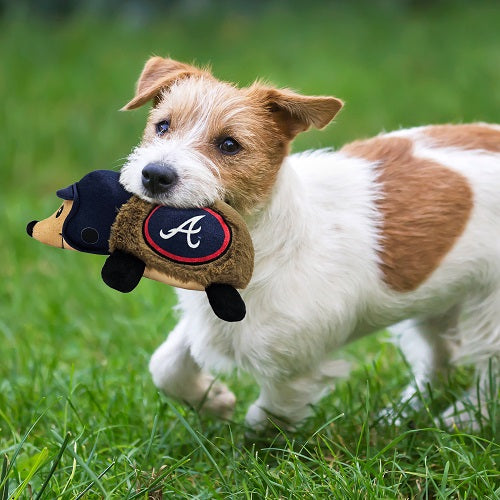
475,136
159,73
425,208
295,113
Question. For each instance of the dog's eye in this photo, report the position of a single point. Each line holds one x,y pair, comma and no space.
229,146
60,211
162,127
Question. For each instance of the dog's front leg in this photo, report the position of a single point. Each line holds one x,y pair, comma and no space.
285,402
278,405
177,374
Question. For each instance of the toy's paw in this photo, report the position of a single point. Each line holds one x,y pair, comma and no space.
122,271
226,302
219,401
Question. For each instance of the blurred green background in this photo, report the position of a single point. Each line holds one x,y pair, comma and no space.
78,350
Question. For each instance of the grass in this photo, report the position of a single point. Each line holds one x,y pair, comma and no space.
79,416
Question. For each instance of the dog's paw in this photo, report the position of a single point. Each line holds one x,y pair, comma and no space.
256,418
219,401
390,416
261,421
460,417
400,413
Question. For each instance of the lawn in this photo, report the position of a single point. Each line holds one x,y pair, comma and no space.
79,415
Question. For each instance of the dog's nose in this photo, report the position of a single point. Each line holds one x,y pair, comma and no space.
157,178
30,226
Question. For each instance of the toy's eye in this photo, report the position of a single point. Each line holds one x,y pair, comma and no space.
162,127
60,211
229,146
90,235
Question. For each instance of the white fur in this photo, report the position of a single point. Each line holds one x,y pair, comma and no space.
317,283
197,185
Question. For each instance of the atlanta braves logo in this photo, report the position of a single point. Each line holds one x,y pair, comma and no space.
187,235
188,232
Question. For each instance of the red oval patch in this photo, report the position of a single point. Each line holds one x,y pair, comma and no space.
188,236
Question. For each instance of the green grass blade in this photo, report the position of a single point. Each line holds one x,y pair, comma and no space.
54,466
82,464
18,448
4,490
92,483
40,460
444,479
158,479
196,437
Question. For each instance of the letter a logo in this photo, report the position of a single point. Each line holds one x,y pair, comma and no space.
188,232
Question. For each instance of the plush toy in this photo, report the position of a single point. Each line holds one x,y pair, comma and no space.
195,248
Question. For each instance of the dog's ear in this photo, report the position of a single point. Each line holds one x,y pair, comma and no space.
159,73
295,113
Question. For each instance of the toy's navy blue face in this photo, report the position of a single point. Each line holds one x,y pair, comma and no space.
97,197
189,236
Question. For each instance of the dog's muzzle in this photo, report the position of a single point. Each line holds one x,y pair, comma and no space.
158,178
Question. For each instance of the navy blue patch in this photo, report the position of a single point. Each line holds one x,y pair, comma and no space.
187,236
67,193
97,197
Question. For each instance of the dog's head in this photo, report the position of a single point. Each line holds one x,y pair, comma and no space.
206,139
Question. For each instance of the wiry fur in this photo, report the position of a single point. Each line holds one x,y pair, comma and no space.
317,223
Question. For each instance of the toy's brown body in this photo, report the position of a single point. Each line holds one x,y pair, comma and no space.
234,267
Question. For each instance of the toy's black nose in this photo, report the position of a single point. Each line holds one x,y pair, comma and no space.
158,178
30,226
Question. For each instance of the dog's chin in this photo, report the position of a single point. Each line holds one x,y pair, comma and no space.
176,199
180,195
152,198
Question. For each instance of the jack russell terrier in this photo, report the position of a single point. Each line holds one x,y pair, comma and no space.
402,229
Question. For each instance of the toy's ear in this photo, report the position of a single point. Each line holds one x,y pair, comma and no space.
49,230
158,74
122,271
226,302
295,113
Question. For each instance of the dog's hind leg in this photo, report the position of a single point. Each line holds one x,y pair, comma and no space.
478,343
475,404
426,346
177,374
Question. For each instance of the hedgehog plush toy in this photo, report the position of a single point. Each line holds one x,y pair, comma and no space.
195,248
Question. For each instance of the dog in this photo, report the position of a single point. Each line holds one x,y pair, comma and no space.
401,229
